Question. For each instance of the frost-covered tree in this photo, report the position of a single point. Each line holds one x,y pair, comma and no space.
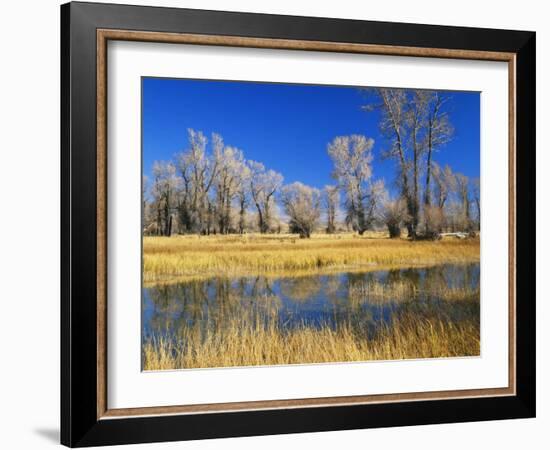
230,162
302,204
331,199
164,189
198,171
352,159
263,185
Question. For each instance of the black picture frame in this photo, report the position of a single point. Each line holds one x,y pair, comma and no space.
80,425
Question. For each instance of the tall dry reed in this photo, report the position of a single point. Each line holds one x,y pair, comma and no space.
254,339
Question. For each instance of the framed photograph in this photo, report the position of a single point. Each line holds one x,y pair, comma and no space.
276,224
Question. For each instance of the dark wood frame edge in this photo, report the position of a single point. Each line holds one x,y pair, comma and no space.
79,402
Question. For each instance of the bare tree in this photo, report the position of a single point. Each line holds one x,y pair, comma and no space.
476,199
435,220
394,126
303,206
352,158
198,172
164,191
394,215
414,124
144,202
441,212
331,199
263,185
444,184
185,193
243,193
463,194
416,118
230,161
439,132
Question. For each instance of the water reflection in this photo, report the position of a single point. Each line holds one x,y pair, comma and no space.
372,299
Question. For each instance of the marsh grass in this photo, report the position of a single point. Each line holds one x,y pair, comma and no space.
252,333
253,339
180,258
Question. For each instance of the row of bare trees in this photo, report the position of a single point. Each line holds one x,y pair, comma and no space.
208,188
211,188
447,205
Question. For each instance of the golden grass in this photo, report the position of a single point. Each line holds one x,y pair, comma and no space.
242,342
181,258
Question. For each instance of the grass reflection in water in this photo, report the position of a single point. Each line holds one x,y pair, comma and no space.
395,314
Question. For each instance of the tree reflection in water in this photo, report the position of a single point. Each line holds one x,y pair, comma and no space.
366,300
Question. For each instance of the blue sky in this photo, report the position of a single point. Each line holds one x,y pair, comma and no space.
286,126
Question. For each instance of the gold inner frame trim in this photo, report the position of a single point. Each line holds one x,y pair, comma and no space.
103,36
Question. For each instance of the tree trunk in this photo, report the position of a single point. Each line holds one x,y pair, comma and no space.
159,222
427,192
267,215
394,230
169,229
260,218
411,231
241,221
